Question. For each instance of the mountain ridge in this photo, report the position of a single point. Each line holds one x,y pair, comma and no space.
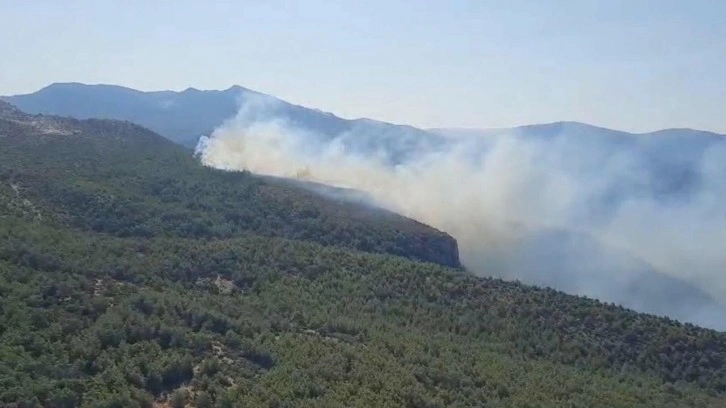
478,131
58,99
25,103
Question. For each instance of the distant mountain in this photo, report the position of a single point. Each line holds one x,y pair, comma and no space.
582,135
557,128
185,116
665,163
179,116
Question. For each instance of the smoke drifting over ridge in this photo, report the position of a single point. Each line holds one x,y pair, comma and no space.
637,220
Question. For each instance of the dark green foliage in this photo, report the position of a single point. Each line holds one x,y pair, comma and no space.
120,179
111,300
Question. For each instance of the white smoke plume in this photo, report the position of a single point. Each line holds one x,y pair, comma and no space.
624,218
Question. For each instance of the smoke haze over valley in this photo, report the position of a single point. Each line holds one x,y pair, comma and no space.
632,219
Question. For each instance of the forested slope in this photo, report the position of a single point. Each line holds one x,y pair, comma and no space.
117,293
119,178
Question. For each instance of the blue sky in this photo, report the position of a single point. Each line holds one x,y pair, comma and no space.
636,65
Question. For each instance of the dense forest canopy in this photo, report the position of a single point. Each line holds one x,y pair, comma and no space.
130,275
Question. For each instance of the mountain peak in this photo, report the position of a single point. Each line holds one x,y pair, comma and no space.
563,125
62,85
235,88
58,89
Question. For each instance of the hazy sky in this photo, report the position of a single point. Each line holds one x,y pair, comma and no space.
629,64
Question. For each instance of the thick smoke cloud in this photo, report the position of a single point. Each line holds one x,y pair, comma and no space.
637,220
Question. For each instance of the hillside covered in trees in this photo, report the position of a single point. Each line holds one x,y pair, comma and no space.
130,275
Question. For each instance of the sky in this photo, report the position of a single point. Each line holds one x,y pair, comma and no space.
636,65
